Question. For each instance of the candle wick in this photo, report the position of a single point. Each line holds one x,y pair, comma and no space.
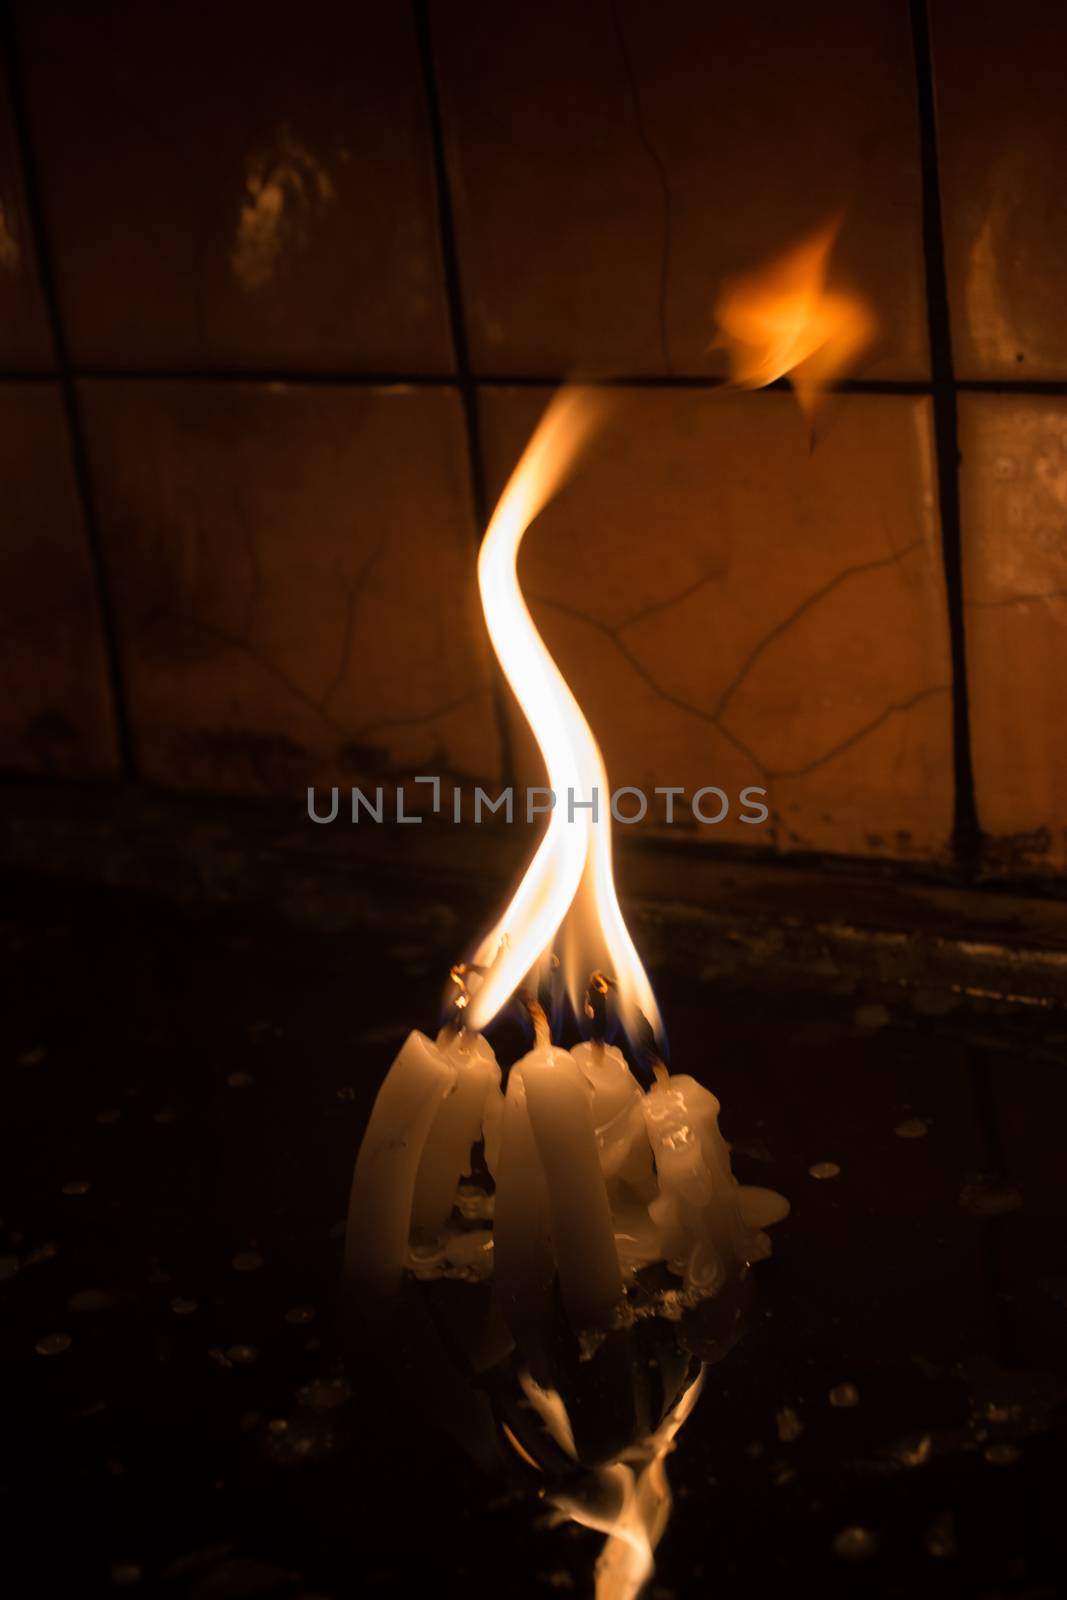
596,1006
457,1022
542,1032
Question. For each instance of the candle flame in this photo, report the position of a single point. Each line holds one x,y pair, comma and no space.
573,861
781,320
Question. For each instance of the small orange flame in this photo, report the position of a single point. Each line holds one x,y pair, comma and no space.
629,1500
781,320
573,859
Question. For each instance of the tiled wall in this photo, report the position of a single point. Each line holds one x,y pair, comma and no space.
282,293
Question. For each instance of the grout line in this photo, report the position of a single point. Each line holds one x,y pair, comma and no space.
465,380
66,378
1051,386
326,378
341,378
966,831
968,836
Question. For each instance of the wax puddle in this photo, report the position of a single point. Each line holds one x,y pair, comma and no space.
463,1251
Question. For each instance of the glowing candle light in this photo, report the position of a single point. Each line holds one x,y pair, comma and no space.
446,1154
524,1265
417,1145
592,1174
573,859
698,1209
617,1116
383,1185
583,1238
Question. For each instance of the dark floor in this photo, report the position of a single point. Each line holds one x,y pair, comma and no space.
185,1096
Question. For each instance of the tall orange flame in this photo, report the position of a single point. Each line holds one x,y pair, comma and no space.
779,320
575,853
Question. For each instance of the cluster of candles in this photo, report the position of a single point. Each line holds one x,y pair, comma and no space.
584,1175
594,1177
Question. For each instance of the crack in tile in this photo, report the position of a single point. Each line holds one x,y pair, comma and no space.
665,605
805,605
861,733
353,594
347,732
417,718
234,642
240,642
715,716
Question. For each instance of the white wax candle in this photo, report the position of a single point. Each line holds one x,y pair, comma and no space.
523,1265
383,1184
756,1208
583,1237
622,1143
697,1207
613,1084
446,1156
492,1131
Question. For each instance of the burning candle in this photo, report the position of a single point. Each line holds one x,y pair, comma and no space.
523,1265
383,1184
588,1168
583,1238
446,1155
595,1178
709,1223
696,1207
615,1091
413,1151
617,1116
592,1175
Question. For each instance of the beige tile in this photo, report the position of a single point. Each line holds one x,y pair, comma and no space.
612,162
293,569
24,337
235,186
731,609
55,710
1014,505
1002,121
